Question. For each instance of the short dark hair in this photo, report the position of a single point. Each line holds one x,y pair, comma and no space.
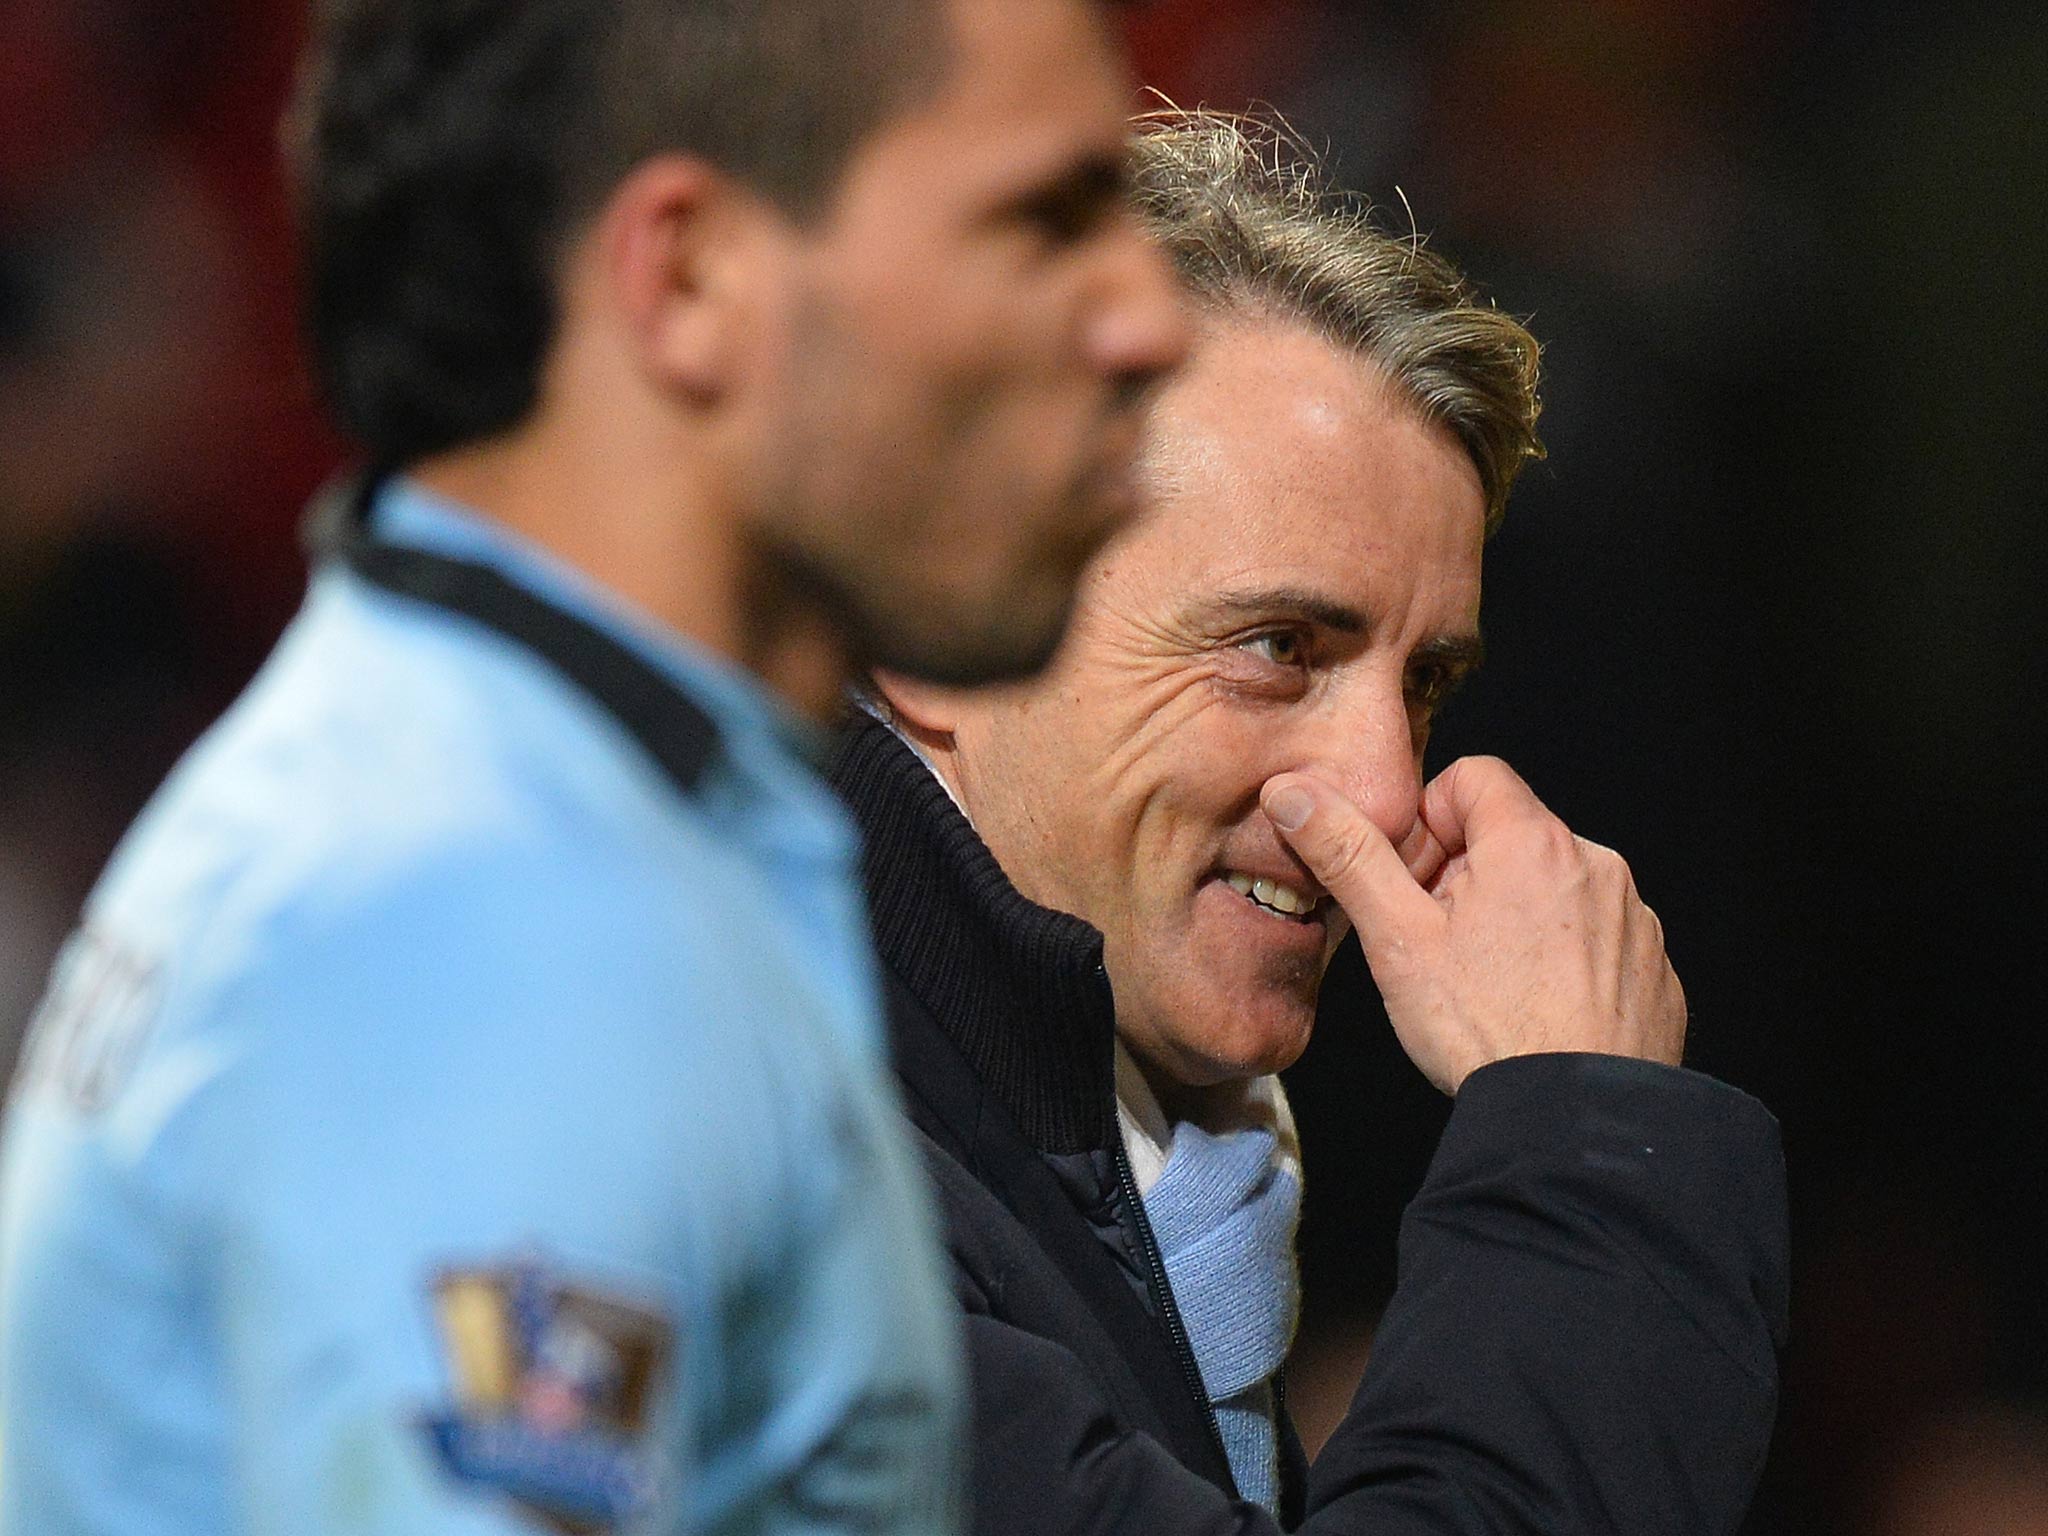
1245,214
447,151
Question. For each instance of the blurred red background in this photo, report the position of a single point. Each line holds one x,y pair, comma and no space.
1768,620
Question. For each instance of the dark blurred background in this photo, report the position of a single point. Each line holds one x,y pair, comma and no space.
1769,619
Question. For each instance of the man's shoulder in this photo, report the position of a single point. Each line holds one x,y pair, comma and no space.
411,866
397,820
487,995
381,738
398,710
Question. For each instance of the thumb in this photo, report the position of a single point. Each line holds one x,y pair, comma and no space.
1351,856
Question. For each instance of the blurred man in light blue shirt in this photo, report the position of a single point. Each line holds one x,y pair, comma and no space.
460,1109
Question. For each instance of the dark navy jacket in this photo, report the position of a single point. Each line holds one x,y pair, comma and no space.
1592,1291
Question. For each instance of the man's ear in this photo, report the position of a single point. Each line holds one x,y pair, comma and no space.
688,255
925,712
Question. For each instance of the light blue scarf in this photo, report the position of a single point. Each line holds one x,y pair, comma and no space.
1224,1211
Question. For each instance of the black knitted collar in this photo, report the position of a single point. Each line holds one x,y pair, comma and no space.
1019,988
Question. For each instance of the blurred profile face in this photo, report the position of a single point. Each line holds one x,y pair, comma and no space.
977,318
1299,594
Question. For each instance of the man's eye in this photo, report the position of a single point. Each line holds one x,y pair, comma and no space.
1062,218
1282,647
1070,210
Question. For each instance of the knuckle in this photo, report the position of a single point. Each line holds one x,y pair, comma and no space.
1677,1013
1601,857
1609,870
1553,840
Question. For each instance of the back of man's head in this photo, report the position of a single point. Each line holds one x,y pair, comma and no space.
450,150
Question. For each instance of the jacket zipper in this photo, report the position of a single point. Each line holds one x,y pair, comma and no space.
1162,1293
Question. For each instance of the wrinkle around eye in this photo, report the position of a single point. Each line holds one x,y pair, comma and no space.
1167,700
1244,673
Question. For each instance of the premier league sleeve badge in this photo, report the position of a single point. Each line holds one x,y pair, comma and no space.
553,1390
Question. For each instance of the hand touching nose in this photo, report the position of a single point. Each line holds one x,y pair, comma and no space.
1492,931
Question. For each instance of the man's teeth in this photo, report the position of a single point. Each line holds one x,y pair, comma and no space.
1270,893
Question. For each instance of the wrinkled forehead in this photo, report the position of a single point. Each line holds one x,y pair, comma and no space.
1255,383
1279,459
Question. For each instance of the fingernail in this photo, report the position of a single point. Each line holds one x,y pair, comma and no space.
1290,807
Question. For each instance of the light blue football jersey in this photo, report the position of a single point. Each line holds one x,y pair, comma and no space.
449,1118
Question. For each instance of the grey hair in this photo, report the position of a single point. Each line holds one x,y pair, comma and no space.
1243,209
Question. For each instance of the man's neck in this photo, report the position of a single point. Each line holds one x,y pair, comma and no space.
664,548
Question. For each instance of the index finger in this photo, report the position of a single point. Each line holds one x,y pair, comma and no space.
1421,851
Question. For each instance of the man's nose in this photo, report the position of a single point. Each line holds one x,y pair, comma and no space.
1139,332
1368,750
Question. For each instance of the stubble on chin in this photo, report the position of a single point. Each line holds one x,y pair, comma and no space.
1283,990
1295,977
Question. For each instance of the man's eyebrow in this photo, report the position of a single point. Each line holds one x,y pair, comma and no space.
1457,654
1284,603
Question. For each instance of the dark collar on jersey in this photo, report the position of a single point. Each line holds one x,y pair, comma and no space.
669,725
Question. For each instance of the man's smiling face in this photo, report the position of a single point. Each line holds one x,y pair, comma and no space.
1299,594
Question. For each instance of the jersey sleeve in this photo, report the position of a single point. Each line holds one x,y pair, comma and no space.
502,1194
455,1217
524,1199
